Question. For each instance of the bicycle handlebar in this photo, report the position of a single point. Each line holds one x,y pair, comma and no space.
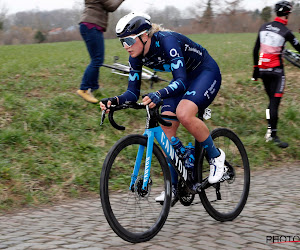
152,112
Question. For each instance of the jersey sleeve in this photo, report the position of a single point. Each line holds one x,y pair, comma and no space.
256,50
293,40
134,82
174,55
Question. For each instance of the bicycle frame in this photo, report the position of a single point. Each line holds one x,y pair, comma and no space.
154,131
157,133
168,149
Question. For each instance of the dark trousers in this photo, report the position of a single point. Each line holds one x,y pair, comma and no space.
95,45
274,82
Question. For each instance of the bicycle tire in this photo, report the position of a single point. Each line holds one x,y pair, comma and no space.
289,57
132,217
219,199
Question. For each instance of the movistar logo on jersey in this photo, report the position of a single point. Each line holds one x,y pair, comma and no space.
190,93
166,68
169,68
157,44
174,85
177,65
134,77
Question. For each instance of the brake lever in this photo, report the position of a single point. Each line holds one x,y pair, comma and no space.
102,117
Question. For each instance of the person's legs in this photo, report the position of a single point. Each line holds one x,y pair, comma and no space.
186,112
168,109
274,82
170,131
200,95
273,107
267,85
267,81
95,45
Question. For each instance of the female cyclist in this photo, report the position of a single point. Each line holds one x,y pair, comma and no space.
196,81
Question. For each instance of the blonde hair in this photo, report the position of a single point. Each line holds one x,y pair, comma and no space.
155,28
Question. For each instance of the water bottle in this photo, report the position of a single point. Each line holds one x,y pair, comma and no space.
190,161
190,156
178,146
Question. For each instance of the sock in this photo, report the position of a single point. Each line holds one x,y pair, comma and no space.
273,133
174,175
211,150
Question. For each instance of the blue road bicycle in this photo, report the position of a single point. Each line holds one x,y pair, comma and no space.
135,172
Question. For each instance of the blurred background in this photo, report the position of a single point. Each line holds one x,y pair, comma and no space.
51,145
26,22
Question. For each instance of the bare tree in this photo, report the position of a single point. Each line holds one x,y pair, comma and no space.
3,13
77,10
266,14
169,16
207,18
233,6
204,6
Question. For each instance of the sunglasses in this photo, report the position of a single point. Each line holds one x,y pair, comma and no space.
130,40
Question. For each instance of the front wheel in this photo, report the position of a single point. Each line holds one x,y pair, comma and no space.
132,212
292,57
225,200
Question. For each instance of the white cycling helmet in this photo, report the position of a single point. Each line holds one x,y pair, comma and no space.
133,23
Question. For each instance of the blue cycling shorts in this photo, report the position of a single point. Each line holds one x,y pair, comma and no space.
202,89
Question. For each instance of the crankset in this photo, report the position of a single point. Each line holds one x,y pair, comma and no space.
185,196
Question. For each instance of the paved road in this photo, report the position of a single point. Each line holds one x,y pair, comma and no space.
273,209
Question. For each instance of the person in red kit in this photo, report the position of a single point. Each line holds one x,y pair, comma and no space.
268,64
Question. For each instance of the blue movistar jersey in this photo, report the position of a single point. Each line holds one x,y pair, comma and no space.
170,52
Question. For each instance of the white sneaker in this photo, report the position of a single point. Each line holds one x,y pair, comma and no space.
216,168
161,197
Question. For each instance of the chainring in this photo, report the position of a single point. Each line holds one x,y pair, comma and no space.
185,196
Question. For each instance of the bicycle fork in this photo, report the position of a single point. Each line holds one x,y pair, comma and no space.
148,161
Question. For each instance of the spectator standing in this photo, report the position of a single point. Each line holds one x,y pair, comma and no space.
93,23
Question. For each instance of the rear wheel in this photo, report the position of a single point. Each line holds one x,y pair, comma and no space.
131,211
225,200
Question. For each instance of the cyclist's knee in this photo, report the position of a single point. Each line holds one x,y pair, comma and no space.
186,111
183,117
170,131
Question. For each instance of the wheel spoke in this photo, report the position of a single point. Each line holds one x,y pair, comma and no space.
226,199
133,213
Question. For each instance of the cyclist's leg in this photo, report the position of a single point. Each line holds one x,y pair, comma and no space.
277,93
169,108
267,81
274,83
202,91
